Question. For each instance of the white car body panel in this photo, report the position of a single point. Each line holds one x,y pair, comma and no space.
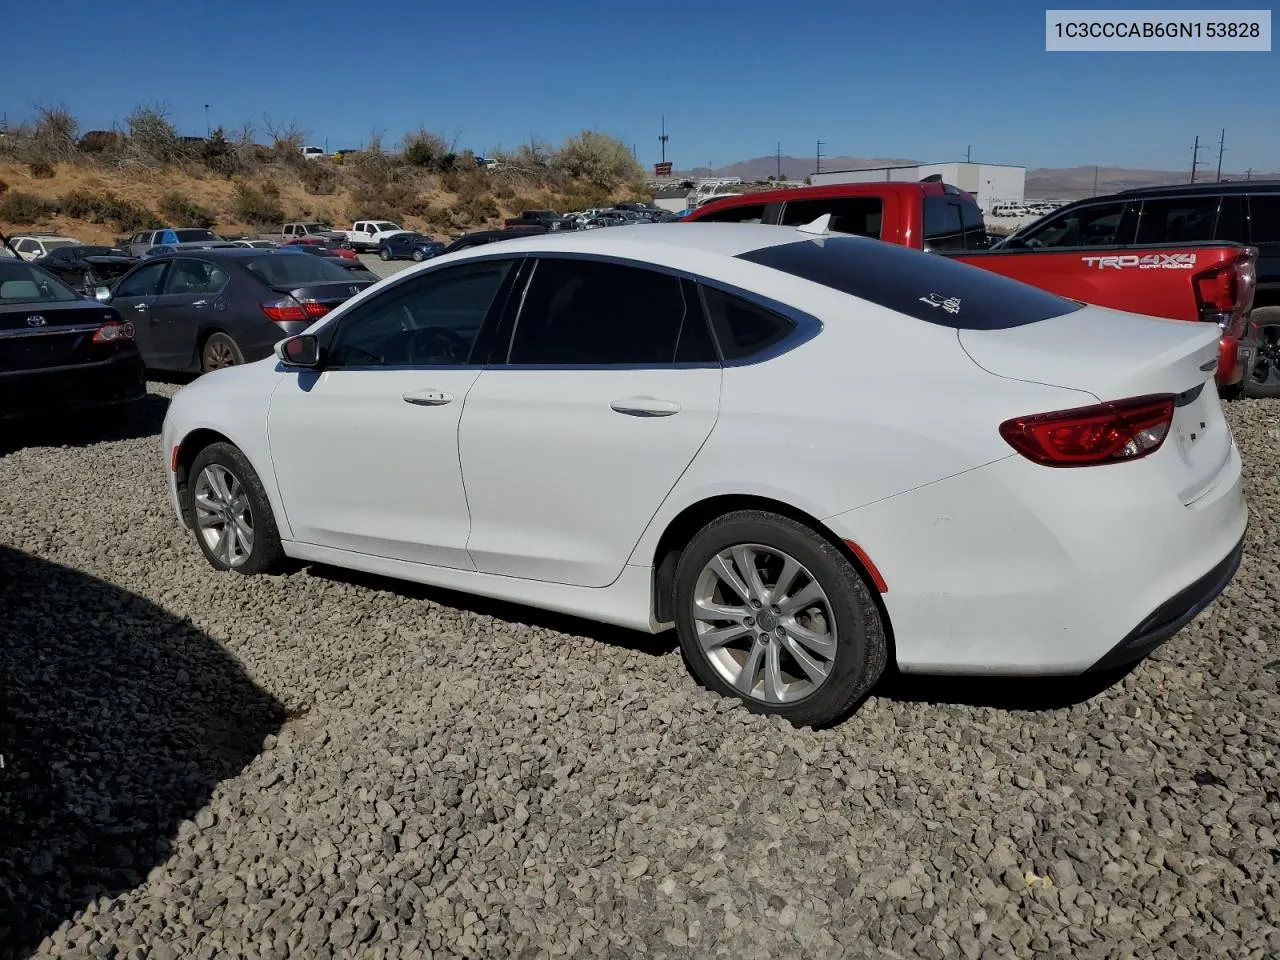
882,428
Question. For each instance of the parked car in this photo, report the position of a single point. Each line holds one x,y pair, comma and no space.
1245,212
545,218
140,243
291,231
33,246
1202,282
256,244
337,248
85,267
481,237
342,257
59,351
205,309
605,220
410,246
934,510
367,235
312,153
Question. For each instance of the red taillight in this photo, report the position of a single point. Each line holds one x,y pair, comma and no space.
113,332
1225,292
1106,433
289,310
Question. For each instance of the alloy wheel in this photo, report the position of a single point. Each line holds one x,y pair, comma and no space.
764,623
1266,362
218,355
222,514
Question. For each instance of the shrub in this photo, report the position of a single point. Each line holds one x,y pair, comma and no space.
318,178
422,148
152,136
386,201
41,170
598,159
23,208
287,141
97,142
107,208
477,210
218,154
52,138
182,212
258,203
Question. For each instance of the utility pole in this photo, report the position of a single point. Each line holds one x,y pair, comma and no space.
1195,157
819,158
968,152
207,130
1248,174
1095,181
779,156
662,139
1221,145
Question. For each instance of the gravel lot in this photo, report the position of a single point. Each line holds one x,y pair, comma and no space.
322,765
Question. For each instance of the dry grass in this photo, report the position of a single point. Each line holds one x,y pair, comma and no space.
438,205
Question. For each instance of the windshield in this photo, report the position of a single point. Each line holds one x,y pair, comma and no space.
386,226
192,236
22,283
281,270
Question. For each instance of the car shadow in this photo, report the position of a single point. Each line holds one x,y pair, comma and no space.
656,645
133,421
117,721
1020,694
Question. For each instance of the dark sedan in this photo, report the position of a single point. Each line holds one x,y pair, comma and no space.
492,236
60,351
85,267
409,246
201,310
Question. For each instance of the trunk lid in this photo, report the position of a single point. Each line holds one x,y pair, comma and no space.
1115,356
41,335
328,292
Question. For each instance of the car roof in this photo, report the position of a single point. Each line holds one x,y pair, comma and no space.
828,191
659,240
1223,186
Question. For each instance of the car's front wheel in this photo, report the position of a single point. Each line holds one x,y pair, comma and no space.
419,256
230,514
770,612
384,254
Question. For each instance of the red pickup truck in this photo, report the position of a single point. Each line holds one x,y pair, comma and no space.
1210,282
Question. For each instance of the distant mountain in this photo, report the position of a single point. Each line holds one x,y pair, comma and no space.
1065,183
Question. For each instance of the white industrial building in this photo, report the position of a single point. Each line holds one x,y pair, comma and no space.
990,183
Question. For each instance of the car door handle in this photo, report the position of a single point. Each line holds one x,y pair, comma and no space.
140,307
200,303
428,398
645,407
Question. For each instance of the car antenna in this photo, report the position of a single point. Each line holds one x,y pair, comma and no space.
819,227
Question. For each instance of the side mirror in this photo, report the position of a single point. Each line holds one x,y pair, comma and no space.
300,351
102,294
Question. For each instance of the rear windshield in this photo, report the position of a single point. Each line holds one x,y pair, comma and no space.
20,283
283,268
926,286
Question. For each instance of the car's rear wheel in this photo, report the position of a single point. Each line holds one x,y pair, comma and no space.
220,351
384,254
230,513
770,612
1263,379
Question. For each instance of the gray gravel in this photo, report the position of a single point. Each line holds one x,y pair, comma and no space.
324,765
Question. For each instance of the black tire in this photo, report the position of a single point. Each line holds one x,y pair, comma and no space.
418,256
1267,363
384,254
862,648
266,554
219,351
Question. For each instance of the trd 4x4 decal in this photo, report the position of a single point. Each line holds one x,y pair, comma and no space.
1151,261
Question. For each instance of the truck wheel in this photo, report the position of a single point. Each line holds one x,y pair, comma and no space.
1263,380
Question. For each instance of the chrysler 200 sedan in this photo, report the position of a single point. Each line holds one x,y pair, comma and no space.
703,426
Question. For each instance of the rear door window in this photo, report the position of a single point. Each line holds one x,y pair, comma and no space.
1231,226
1264,219
195,276
943,224
861,216
935,289
1093,225
737,213
743,329
1178,219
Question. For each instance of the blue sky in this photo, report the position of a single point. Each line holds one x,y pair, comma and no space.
883,80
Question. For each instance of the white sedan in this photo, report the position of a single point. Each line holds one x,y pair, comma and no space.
812,454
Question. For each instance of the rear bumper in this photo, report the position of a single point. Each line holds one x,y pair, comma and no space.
1174,614
1017,569
52,390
